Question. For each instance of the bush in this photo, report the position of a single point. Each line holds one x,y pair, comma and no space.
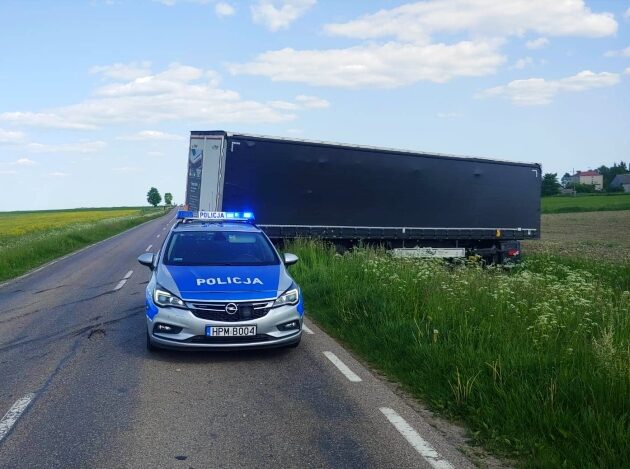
582,188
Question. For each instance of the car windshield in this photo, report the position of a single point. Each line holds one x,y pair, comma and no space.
219,248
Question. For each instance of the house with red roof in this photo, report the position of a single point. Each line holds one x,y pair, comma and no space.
590,177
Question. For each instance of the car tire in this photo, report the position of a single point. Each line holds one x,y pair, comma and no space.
150,346
295,344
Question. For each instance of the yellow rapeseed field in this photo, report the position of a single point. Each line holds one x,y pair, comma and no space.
25,223
29,239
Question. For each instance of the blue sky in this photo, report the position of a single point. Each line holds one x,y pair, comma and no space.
98,97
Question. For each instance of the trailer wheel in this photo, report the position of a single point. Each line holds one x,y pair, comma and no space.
341,249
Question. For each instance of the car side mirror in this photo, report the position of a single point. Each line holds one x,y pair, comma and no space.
146,259
290,259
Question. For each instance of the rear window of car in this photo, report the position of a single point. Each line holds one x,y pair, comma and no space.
214,248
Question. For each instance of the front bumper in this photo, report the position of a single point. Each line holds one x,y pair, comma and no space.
193,330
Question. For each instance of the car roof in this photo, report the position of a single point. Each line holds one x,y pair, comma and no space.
217,226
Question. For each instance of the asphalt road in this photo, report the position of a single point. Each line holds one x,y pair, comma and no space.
79,388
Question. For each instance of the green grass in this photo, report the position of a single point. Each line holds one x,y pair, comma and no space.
30,239
535,361
585,203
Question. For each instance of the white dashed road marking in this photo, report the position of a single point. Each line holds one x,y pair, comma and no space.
420,445
149,248
13,414
347,372
120,284
306,329
157,236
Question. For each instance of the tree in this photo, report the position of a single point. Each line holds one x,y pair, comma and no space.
168,198
609,173
565,179
154,197
550,184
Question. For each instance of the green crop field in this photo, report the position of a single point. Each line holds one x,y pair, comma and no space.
585,203
29,239
535,360
600,236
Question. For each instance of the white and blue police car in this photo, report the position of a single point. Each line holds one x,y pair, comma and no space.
218,282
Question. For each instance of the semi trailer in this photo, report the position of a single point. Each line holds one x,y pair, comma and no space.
419,204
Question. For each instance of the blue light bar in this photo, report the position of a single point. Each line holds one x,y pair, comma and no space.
215,216
182,214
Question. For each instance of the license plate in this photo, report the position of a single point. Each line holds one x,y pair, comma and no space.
230,331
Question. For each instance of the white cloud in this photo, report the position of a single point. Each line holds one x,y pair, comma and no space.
312,102
152,135
301,102
407,52
58,174
618,53
626,71
177,93
449,115
223,9
170,3
626,15
523,63
538,91
279,14
19,162
11,136
77,147
417,21
284,105
7,172
386,66
24,162
537,43
45,119
120,71
126,169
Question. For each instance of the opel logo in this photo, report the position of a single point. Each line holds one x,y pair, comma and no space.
231,308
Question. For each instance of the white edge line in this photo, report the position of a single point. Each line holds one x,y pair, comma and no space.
42,267
341,366
149,248
307,329
14,414
120,285
128,274
413,437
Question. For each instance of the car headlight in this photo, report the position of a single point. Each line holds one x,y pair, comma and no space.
289,297
162,297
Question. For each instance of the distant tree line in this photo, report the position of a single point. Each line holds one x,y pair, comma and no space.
610,173
154,197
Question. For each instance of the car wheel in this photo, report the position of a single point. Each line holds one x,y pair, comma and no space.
150,346
295,344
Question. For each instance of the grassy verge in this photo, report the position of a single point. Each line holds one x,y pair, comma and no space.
585,203
535,361
30,239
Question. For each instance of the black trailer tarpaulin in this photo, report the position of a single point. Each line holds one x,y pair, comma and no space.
293,183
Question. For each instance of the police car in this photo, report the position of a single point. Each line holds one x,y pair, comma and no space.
218,282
